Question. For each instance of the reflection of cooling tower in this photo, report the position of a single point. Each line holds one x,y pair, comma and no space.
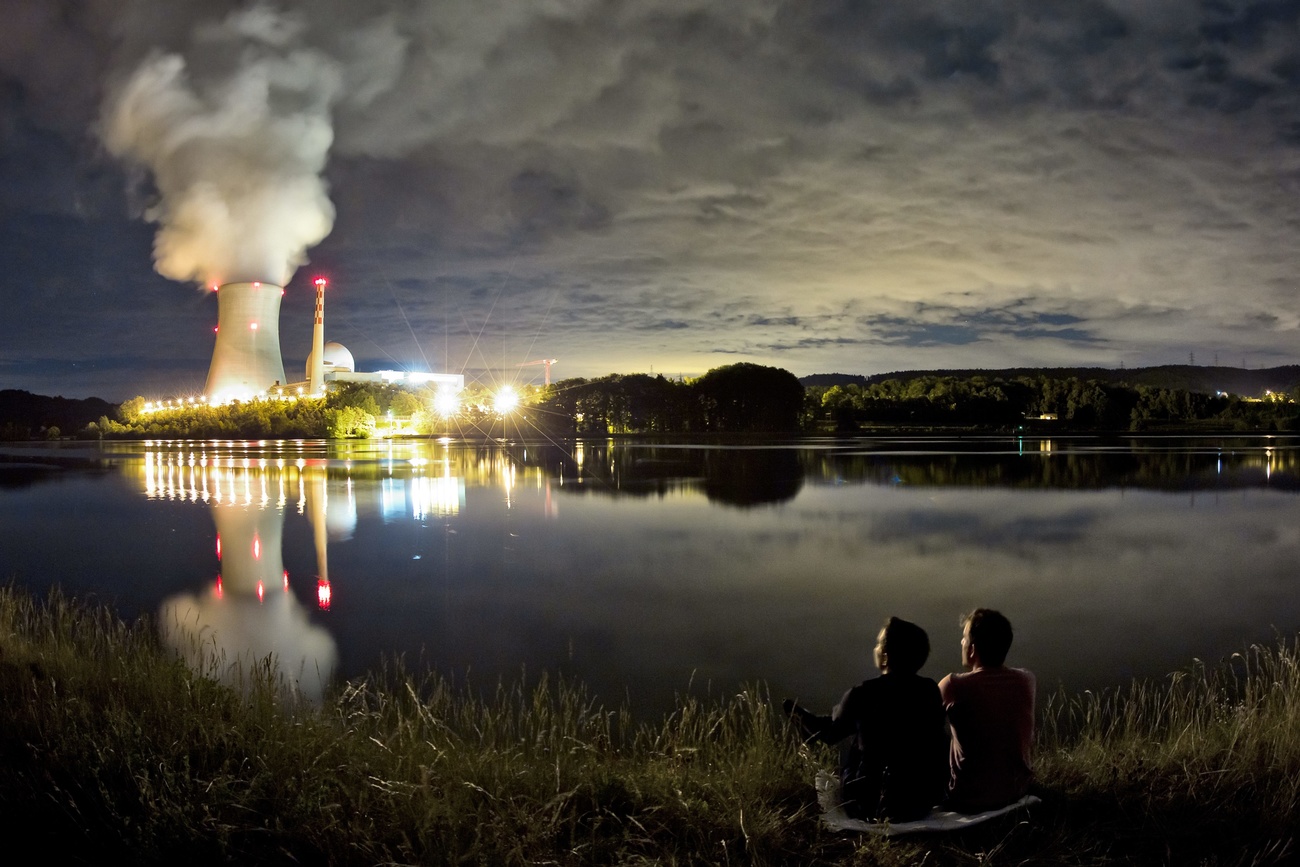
250,548
250,615
246,360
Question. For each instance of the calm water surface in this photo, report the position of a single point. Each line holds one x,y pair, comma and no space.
646,569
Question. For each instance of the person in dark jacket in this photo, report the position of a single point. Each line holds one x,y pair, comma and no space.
896,766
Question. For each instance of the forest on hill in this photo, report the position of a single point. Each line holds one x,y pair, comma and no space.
24,415
993,400
1239,381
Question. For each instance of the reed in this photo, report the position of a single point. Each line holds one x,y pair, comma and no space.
111,749
1207,759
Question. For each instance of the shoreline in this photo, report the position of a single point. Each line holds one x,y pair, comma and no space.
113,748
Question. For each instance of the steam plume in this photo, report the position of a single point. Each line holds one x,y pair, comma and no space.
235,134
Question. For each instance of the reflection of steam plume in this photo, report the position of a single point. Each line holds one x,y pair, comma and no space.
235,134
250,614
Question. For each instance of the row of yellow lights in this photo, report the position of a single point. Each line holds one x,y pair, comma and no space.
446,403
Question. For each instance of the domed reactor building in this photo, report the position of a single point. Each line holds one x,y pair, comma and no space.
246,360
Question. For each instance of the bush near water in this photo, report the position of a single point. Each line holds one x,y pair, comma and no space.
112,750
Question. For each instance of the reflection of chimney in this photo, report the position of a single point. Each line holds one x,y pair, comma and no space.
317,509
316,371
246,359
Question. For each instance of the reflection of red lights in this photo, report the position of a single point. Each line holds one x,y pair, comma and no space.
257,548
261,591
323,594
218,546
220,591
286,580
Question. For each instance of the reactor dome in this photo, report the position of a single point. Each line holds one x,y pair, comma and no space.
337,358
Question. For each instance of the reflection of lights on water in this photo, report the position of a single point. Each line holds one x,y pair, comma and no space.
323,594
392,498
261,591
286,581
436,496
257,547
508,481
220,591
218,546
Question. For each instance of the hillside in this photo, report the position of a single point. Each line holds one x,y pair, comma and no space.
1203,380
25,415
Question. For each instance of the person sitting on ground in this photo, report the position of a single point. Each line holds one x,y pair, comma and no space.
895,766
991,714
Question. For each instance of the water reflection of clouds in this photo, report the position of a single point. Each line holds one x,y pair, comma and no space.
984,528
1106,566
1100,584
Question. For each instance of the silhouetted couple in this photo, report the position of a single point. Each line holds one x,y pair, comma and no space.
903,760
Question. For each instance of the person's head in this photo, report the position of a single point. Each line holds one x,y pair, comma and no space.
985,638
901,647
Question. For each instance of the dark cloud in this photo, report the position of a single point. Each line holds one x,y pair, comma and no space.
819,184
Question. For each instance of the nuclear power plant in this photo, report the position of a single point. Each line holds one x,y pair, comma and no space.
246,360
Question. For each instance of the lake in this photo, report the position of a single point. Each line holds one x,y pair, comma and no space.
648,568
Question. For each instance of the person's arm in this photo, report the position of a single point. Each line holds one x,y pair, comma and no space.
828,729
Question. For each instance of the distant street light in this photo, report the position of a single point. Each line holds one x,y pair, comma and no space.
506,400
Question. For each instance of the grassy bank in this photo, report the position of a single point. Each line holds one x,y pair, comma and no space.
112,750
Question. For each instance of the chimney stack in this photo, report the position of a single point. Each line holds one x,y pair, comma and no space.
316,372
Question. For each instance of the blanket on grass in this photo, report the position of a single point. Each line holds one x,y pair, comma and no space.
834,817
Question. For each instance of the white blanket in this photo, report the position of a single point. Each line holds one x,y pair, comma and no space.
834,817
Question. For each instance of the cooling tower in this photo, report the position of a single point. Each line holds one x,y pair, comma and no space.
246,360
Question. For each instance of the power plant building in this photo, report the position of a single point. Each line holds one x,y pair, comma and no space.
246,360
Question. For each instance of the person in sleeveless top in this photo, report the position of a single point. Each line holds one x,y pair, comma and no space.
990,710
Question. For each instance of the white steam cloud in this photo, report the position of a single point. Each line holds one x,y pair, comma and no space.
235,134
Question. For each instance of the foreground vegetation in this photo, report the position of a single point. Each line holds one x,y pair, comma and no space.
112,750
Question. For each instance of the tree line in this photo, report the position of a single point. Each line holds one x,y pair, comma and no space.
736,398
997,402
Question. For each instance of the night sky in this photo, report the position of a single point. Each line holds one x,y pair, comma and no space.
656,186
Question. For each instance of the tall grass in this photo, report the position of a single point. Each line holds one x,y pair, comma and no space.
111,749
1208,758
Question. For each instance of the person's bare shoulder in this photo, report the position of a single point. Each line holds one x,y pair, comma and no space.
948,685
